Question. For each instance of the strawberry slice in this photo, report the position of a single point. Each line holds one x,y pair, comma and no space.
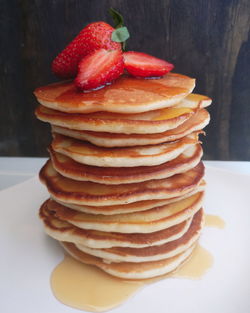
94,36
99,68
144,65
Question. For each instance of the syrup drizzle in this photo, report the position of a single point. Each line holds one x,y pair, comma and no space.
88,288
198,264
214,221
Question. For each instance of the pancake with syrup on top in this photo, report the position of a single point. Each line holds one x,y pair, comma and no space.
125,95
125,175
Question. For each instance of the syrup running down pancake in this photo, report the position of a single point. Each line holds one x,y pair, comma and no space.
125,174
131,270
195,123
145,123
125,95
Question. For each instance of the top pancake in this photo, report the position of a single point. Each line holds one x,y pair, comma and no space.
126,95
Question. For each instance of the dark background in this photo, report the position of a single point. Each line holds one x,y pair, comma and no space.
205,39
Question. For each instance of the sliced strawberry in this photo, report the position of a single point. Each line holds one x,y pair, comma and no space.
144,65
99,68
92,37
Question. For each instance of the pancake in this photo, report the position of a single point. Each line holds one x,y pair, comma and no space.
193,101
195,123
86,153
129,270
148,221
148,122
64,231
131,207
88,193
124,175
151,253
154,121
125,95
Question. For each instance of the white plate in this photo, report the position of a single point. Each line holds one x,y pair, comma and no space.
28,256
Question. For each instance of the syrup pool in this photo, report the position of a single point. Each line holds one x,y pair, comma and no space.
88,288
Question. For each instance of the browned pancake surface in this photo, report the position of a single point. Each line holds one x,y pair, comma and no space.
114,175
155,215
78,235
79,192
193,230
148,221
153,121
196,122
131,207
87,153
129,270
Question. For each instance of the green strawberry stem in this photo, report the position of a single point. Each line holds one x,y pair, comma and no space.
117,18
120,34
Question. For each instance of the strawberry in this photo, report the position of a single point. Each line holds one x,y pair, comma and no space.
144,65
99,68
92,37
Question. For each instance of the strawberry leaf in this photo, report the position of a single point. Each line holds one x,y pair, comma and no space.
120,34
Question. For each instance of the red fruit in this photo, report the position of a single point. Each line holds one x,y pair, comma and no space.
99,68
92,37
144,65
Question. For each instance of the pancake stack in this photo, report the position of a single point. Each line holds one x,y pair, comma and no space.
125,175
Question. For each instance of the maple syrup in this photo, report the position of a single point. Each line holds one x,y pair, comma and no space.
88,288
170,113
196,266
125,90
214,221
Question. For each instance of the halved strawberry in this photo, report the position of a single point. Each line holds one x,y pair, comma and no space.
94,36
99,68
144,65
